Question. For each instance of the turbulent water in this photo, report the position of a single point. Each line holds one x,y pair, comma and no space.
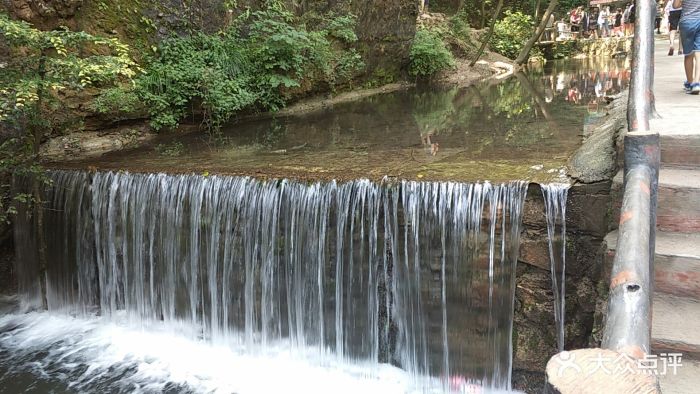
387,287
555,195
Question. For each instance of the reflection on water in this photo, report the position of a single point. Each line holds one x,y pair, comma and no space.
522,128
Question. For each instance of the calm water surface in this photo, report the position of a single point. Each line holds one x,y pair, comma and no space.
523,128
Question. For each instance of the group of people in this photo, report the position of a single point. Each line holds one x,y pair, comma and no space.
596,22
675,16
619,23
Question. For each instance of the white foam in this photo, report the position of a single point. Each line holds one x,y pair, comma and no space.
162,355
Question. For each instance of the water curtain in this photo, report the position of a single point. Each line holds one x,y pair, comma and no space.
417,274
555,195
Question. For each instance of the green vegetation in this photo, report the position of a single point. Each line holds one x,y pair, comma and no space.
429,54
511,33
459,34
43,65
117,102
256,63
173,149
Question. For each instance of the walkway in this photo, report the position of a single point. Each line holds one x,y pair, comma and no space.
676,310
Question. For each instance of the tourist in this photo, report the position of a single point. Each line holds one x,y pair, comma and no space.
549,28
689,26
657,19
617,25
575,20
674,16
593,22
562,34
584,22
603,17
626,20
632,18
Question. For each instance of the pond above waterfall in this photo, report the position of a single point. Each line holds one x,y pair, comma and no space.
524,128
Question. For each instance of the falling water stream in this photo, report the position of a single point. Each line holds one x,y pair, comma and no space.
555,195
391,286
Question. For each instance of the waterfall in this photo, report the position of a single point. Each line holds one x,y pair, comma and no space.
555,195
420,275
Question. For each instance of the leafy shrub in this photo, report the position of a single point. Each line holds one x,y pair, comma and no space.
429,55
565,49
459,34
343,28
511,33
256,64
116,102
201,68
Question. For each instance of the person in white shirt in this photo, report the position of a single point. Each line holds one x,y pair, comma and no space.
603,16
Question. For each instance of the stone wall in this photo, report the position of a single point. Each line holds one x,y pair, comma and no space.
589,209
605,47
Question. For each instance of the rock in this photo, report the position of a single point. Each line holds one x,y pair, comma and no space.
80,145
596,159
534,330
38,11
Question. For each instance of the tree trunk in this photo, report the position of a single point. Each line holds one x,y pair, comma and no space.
489,35
483,15
537,8
522,57
37,183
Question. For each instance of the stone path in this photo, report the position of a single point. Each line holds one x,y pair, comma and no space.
676,310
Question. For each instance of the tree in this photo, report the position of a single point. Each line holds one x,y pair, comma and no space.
39,65
522,57
489,35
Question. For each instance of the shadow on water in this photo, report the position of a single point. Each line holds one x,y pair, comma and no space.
523,128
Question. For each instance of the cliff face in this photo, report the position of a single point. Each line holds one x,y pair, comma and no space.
385,28
43,12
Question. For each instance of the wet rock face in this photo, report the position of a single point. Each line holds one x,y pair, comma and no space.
35,11
589,208
534,330
385,30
